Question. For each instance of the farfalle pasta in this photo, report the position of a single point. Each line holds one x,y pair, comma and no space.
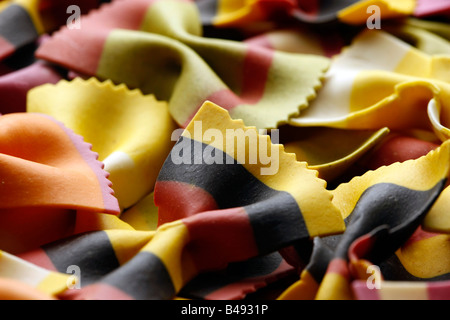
224,150
375,88
381,199
129,131
247,80
48,174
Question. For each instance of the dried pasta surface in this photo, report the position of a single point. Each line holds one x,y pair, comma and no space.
243,150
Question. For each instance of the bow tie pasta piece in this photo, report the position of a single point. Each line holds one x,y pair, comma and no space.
205,225
256,174
382,209
51,165
381,81
257,79
157,46
418,270
395,198
47,174
131,132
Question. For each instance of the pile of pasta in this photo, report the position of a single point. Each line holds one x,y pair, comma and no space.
224,150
